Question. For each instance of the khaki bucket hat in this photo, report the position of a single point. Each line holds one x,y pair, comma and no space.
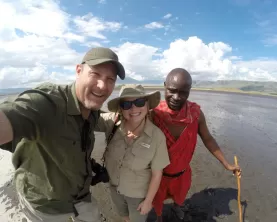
134,91
100,55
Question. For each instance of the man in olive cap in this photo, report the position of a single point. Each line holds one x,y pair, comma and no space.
49,130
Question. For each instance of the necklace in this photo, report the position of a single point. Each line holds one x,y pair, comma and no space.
133,130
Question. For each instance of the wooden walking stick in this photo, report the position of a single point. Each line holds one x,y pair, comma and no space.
238,181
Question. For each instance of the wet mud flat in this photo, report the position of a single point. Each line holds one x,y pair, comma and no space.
208,199
244,126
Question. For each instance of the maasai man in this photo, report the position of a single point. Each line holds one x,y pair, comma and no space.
181,121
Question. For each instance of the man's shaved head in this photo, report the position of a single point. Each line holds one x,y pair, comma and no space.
180,74
177,88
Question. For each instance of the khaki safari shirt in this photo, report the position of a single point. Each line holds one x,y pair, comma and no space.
130,166
51,170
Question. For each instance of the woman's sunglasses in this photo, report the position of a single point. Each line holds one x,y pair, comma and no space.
140,102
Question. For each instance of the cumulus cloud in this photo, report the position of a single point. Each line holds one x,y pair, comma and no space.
43,18
38,39
30,77
138,60
154,25
93,27
212,61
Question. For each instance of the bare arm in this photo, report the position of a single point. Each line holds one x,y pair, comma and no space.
6,131
153,187
211,143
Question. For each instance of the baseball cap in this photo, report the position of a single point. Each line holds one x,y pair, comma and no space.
100,55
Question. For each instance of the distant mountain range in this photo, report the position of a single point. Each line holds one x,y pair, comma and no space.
10,91
246,86
128,80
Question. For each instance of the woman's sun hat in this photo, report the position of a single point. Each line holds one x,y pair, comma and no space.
134,91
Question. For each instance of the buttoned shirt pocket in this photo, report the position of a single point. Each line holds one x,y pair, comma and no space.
142,155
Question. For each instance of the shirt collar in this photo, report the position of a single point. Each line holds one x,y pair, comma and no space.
148,127
73,107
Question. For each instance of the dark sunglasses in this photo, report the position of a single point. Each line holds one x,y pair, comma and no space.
140,102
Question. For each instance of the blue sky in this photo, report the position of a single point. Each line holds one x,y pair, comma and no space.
238,23
216,39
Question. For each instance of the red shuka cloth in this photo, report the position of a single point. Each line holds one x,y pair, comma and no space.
180,151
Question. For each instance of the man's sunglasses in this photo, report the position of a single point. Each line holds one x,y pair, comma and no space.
140,102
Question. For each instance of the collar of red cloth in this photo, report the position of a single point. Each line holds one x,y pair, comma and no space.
180,117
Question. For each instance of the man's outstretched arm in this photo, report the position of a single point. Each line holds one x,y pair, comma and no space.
29,116
6,131
212,145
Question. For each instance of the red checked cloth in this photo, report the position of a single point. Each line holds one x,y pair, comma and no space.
180,151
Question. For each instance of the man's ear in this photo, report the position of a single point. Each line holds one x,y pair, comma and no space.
79,69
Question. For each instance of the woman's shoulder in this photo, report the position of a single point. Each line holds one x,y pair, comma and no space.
156,131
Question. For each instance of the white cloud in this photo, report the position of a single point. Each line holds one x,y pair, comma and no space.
137,59
197,57
92,26
43,18
262,69
154,25
92,44
167,16
36,39
30,77
235,57
205,61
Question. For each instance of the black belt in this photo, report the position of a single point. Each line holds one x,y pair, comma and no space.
175,174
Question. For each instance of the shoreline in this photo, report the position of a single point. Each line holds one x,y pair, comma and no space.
212,90
215,90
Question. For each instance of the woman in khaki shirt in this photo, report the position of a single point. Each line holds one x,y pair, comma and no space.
136,155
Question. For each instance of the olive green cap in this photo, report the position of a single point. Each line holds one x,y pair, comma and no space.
100,55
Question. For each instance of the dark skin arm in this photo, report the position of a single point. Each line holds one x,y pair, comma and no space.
211,144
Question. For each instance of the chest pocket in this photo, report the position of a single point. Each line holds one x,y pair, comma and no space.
142,154
116,148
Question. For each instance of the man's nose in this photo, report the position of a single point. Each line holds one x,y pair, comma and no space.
176,96
102,84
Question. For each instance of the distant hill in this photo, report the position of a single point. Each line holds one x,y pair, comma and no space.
144,82
127,80
10,91
225,85
247,86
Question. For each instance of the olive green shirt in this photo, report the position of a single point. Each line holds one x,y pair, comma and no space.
51,170
130,165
